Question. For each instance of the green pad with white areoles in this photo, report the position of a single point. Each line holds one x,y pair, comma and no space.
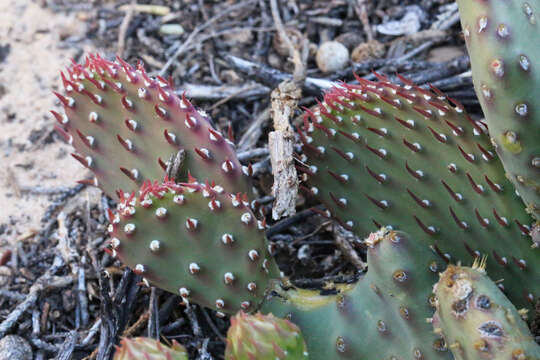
382,316
383,154
503,40
196,241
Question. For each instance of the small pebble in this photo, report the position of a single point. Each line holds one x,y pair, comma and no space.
281,47
367,51
350,39
407,25
171,29
332,56
5,275
13,347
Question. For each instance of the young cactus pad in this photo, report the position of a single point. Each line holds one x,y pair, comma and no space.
141,348
477,320
382,316
264,337
125,126
196,241
382,154
503,40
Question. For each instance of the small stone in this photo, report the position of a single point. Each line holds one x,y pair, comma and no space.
407,25
281,47
5,275
350,39
13,347
171,29
274,60
332,56
445,53
237,38
368,50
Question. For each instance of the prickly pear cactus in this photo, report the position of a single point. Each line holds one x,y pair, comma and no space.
197,241
125,126
504,45
477,320
382,154
383,316
264,337
149,349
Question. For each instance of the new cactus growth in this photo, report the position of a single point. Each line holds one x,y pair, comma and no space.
141,348
383,316
172,234
504,45
125,126
382,154
264,337
477,320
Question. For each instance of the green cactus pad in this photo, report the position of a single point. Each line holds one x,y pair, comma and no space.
141,348
264,337
196,241
504,45
125,126
383,316
477,320
382,154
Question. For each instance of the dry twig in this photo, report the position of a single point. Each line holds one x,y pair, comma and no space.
281,145
343,239
200,28
361,10
281,141
123,28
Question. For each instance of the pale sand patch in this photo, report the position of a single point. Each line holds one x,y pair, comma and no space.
27,75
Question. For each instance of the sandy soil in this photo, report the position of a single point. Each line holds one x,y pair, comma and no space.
30,155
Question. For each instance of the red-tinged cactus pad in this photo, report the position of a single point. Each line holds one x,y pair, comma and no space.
264,337
477,320
196,241
382,154
382,316
141,348
503,40
125,126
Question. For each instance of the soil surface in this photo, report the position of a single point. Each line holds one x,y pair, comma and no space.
32,161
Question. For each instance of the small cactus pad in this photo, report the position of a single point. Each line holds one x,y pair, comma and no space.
503,39
264,337
477,320
383,154
125,126
141,348
196,241
382,316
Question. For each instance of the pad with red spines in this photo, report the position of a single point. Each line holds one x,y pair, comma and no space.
382,154
125,126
